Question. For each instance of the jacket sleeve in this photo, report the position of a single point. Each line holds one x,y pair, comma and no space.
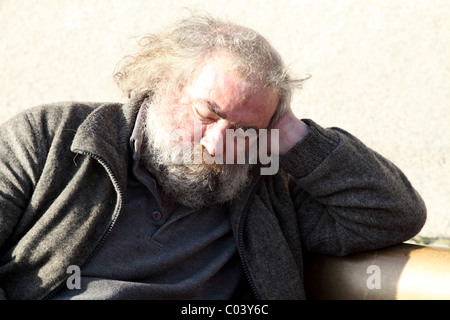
349,198
20,167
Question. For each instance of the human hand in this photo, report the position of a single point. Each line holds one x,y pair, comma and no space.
291,131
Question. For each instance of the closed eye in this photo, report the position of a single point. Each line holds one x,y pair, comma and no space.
204,118
208,112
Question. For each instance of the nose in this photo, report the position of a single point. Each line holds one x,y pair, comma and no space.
213,139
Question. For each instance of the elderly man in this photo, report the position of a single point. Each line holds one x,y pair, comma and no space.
148,200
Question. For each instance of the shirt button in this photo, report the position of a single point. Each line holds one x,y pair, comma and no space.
156,215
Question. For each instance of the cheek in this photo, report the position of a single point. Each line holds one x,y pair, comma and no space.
179,112
186,123
178,120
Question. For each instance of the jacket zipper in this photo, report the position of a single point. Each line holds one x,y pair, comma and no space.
241,244
115,216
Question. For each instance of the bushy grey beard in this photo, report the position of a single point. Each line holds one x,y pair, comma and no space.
194,185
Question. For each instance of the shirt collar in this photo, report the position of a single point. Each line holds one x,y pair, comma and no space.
137,136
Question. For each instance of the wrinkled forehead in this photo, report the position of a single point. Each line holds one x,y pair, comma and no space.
242,101
232,64
220,73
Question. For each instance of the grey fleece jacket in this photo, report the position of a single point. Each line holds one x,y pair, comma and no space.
63,174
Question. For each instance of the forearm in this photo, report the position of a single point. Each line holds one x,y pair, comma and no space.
356,198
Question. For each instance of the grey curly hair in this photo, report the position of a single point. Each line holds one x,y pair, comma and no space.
173,56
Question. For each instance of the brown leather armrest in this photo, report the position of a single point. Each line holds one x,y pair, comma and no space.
405,271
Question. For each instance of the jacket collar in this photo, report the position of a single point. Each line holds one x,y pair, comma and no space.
105,134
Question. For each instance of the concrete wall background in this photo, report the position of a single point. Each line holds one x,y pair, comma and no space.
380,68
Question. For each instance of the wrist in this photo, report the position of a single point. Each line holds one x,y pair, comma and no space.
311,151
293,132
